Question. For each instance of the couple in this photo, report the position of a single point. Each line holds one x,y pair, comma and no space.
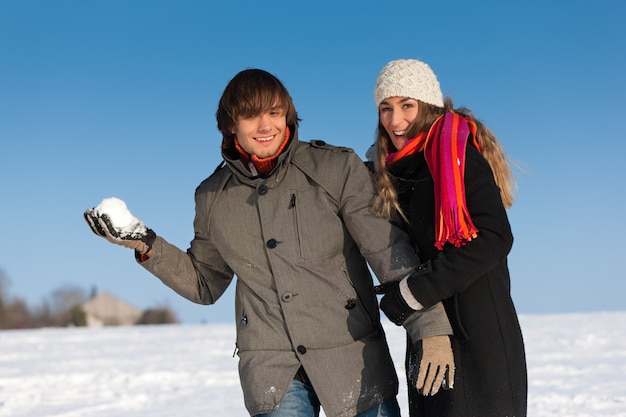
300,222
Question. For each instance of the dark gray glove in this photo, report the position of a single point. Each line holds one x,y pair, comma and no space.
393,303
137,237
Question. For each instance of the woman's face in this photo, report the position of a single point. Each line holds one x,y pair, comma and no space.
396,115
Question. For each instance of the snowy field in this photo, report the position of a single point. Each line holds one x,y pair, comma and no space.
577,367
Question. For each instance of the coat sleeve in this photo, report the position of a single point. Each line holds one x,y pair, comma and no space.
456,268
387,248
200,274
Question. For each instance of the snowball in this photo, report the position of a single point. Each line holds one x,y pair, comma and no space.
121,218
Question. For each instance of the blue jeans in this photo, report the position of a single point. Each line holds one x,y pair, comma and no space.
301,401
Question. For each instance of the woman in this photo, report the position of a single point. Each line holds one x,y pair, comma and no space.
446,175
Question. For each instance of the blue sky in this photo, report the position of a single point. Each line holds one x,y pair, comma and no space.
117,98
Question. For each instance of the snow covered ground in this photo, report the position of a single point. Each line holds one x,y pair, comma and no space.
576,363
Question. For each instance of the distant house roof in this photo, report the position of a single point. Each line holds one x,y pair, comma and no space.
105,309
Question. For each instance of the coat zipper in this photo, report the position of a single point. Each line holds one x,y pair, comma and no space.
292,205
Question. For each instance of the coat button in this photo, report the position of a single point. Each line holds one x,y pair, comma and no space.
271,243
286,297
301,349
262,190
350,304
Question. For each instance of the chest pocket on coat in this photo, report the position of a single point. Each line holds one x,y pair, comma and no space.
319,230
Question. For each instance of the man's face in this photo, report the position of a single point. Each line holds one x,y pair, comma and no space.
261,134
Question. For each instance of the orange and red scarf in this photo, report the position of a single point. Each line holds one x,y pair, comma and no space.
444,149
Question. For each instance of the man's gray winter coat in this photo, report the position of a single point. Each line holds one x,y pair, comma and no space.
298,242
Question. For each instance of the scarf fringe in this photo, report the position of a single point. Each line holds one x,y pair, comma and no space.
445,155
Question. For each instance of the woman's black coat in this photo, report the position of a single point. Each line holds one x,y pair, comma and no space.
473,282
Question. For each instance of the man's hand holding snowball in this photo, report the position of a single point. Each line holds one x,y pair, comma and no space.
112,220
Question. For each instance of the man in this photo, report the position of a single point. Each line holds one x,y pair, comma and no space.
293,221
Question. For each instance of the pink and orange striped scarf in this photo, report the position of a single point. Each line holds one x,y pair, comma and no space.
444,149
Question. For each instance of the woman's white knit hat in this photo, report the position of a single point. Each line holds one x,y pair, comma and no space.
408,78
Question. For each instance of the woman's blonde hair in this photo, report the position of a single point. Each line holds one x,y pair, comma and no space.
386,198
